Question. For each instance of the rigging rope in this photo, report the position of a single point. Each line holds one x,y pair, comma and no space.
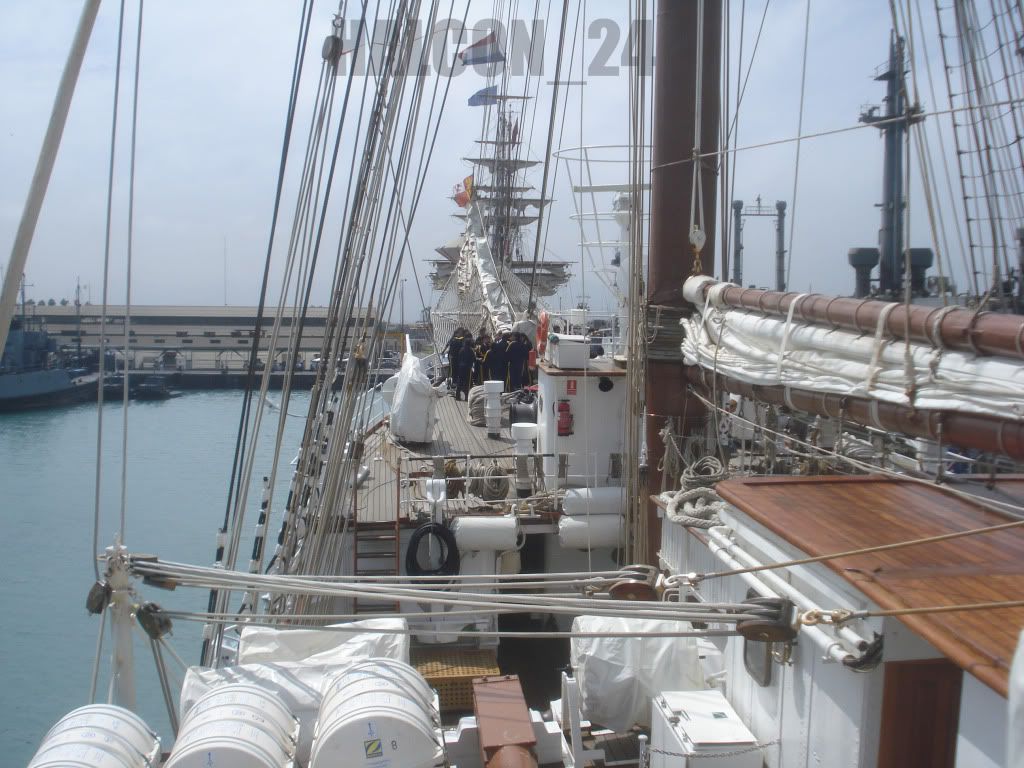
103,309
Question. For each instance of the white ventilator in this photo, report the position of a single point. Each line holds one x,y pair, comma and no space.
236,726
492,406
378,712
98,736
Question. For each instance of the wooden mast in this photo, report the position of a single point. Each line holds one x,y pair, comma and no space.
671,261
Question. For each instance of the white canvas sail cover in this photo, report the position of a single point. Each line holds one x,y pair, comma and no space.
413,409
618,676
787,352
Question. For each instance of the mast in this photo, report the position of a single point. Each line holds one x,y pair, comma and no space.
44,167
890,232
676,94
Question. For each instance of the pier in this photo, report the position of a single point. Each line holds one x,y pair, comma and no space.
204,347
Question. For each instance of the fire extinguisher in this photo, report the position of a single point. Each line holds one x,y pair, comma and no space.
565,418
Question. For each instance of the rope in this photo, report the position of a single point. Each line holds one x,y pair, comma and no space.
995,605
799,129
488,481
128,272
103,309
731,753
547,154
822,134
995,505
866,550
705,472
701,507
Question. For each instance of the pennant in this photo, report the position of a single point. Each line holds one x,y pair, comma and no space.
484,51
484,97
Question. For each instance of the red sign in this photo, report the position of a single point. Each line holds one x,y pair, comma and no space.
570,386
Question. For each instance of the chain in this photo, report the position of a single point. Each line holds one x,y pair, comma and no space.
646,760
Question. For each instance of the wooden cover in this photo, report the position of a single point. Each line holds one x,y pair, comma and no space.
821,515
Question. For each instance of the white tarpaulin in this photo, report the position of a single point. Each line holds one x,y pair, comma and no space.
325,646
414,403
618,676
297,679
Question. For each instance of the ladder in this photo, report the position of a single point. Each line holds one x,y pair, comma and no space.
376,552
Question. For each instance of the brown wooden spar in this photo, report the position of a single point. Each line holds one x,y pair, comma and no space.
671,261
987,333
968,430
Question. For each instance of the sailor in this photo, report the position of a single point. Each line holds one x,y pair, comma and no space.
499,359
478,364
484,351
454,347
528,371
464,369
516,355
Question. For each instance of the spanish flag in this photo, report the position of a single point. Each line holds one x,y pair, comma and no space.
464,192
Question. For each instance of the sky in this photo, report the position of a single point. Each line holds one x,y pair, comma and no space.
213,95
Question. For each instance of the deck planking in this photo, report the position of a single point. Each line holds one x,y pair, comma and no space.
822,515
390,491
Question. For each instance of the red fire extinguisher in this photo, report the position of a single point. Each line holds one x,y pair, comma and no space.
565,418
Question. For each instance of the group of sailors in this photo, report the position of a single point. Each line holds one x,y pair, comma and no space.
476,360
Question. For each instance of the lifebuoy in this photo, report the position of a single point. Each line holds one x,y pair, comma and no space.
542,332
449,565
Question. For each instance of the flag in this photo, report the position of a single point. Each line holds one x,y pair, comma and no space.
485,97
464,192
484,51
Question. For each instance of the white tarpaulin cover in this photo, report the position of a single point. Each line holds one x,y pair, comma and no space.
414,403
294,676
324,645
618,676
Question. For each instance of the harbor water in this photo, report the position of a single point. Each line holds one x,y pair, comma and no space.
180,455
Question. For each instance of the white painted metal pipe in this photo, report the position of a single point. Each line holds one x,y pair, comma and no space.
723,548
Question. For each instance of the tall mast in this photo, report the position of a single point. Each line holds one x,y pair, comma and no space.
676,94
44,167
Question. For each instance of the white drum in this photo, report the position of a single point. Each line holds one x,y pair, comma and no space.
378,710
99,736
236,726
606,500
590,532
486,533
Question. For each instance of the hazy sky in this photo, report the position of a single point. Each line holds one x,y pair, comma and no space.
213,97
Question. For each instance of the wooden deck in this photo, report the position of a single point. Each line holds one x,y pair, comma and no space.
391,490
820,515
456,436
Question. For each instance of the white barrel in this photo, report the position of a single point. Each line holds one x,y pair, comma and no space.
496,534
377,712
590,533
494,387
610,500
98,736
236,726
